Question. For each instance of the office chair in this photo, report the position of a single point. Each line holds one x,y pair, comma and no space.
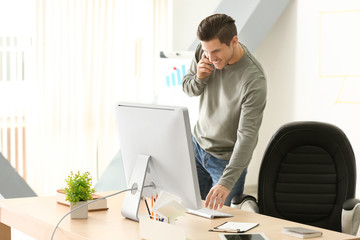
307,173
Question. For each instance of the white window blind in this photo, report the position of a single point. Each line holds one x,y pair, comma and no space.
13,60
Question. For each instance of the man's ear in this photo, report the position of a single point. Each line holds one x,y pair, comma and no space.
234,40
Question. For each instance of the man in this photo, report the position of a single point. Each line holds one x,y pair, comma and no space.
232,88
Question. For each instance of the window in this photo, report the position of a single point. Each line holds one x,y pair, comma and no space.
14,57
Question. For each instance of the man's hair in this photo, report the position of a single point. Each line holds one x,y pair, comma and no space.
219,26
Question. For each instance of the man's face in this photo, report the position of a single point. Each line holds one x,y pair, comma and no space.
218,53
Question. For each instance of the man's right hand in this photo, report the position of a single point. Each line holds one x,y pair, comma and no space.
204,67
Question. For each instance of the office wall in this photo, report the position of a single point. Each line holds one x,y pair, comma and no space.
311,60
187,14
277,54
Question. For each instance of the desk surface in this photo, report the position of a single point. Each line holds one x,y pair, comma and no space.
38,216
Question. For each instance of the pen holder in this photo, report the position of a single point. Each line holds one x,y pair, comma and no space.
152,229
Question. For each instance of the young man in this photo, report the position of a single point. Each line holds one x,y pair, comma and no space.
232,88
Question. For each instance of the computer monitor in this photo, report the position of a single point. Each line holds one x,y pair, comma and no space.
156,147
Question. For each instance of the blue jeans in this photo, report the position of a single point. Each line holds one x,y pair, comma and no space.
210,169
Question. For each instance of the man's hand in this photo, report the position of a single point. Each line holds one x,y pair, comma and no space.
216,197
204,67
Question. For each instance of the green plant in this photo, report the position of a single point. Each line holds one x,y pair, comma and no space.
79,187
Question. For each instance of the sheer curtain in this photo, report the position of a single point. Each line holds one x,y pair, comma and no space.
15,52
88,54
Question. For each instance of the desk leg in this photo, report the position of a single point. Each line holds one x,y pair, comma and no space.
5,232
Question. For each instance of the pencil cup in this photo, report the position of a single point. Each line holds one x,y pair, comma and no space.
151,229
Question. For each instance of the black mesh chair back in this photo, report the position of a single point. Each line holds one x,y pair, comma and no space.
307,173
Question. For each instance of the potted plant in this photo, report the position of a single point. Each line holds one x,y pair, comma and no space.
78,191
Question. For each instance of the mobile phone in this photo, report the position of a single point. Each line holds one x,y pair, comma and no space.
243,236
209,60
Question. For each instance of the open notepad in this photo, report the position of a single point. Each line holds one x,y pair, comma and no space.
238,227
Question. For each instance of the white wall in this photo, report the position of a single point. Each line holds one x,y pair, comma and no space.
277,54
187,15
311,59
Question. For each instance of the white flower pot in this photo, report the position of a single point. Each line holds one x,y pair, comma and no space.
81,212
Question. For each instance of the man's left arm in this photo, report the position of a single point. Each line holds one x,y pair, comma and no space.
252,109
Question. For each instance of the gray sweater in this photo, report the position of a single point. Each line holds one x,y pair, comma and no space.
232,101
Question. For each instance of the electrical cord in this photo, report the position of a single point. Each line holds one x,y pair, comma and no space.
75,209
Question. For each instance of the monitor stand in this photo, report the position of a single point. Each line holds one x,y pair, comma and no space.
132,198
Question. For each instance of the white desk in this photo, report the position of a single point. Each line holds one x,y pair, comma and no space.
38,216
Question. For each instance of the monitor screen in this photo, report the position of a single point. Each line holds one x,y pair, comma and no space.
161,137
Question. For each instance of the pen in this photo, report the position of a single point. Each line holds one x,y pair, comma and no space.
225,230
152,206
147,207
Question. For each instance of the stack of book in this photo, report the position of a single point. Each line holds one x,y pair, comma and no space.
301,232
95,206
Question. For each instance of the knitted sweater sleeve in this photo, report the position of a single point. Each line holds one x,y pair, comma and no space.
252,108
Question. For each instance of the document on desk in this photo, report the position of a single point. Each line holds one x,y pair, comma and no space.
237,227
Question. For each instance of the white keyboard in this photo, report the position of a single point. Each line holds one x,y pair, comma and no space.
209,213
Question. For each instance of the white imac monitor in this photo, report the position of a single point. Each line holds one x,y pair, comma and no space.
157,149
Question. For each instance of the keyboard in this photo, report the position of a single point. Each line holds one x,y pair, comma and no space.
209,213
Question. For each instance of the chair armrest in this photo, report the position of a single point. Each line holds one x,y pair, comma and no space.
245,202
350,217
